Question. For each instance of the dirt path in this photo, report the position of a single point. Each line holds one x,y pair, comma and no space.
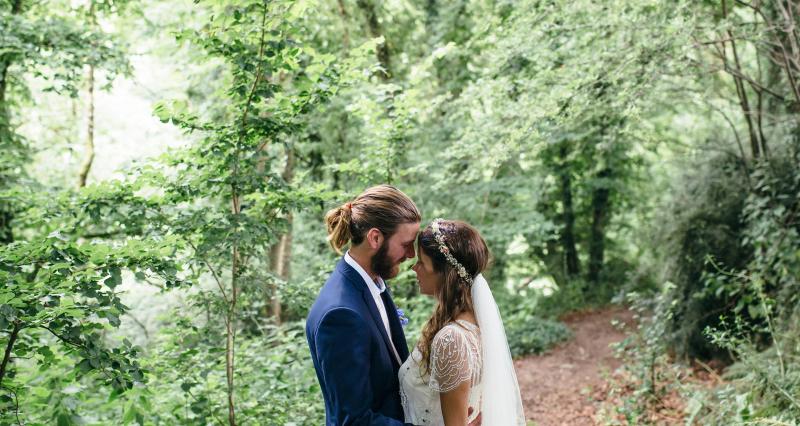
562,386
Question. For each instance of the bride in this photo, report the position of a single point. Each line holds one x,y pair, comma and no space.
460,371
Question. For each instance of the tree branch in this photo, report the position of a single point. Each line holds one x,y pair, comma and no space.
9,346
210,268
740,90
59,337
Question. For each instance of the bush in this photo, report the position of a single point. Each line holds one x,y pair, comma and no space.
739,303
528,334
703,230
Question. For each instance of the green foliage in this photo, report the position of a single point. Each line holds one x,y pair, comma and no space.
704,234
56,46
645,354
529,334
66,289
275,378
748,310
575,135
762,330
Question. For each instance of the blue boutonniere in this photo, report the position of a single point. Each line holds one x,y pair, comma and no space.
402,316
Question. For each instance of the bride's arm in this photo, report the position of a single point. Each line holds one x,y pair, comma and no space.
455,404
452,368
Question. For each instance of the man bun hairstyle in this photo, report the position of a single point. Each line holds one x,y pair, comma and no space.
383,207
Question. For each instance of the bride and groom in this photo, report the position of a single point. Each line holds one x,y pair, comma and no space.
459,373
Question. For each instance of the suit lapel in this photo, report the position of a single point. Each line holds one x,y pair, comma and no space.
376,316
355,278
398,337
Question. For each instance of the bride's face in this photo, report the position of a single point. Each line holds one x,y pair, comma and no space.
427,278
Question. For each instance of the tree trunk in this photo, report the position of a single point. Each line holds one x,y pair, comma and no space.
741,92
5,63
600,209
230,321
280,254
229,364
12,338
345,21
6,215
568,217
281,251
6,232
89,155
375,30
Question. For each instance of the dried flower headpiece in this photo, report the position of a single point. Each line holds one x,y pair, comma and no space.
437,234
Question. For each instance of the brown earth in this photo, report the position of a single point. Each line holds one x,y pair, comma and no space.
565,385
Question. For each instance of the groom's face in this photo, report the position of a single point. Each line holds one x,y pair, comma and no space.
394,250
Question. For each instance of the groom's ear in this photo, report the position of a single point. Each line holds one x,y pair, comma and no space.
374,238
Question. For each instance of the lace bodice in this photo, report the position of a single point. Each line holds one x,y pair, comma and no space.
455,358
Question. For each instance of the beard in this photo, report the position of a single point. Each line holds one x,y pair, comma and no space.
382,265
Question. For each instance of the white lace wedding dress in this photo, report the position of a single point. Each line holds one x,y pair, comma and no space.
456,357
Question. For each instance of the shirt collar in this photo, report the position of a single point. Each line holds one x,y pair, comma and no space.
375,287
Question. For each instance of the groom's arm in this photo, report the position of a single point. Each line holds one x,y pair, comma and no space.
342,342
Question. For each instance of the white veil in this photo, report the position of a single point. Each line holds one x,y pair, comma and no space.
502,403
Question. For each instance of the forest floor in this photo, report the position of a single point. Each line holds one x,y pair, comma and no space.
569,384
573,382
565,385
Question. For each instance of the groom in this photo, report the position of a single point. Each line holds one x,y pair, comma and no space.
353,330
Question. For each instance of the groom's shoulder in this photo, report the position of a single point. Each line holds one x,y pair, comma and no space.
340,280
337,292
335,307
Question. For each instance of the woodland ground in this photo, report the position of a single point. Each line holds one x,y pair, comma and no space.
569,384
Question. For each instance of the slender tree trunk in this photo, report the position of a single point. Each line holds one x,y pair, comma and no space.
12,338
229,365
6,215
6,232
89,155
341,140
346,22
236,211
600,209
281,251
5,63
376,30
230,319
280,256
568,216
741,92
780,64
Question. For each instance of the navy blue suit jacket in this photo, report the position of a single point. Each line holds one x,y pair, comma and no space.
351,351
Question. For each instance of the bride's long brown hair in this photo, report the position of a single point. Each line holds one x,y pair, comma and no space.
454,296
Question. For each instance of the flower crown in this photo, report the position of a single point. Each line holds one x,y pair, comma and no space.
437,234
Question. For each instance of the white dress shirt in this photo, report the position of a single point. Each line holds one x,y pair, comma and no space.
375,288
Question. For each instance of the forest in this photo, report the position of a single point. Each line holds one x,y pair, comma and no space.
165,167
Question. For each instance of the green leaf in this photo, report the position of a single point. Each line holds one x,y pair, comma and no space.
130,413
64,419
115,279
84,366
